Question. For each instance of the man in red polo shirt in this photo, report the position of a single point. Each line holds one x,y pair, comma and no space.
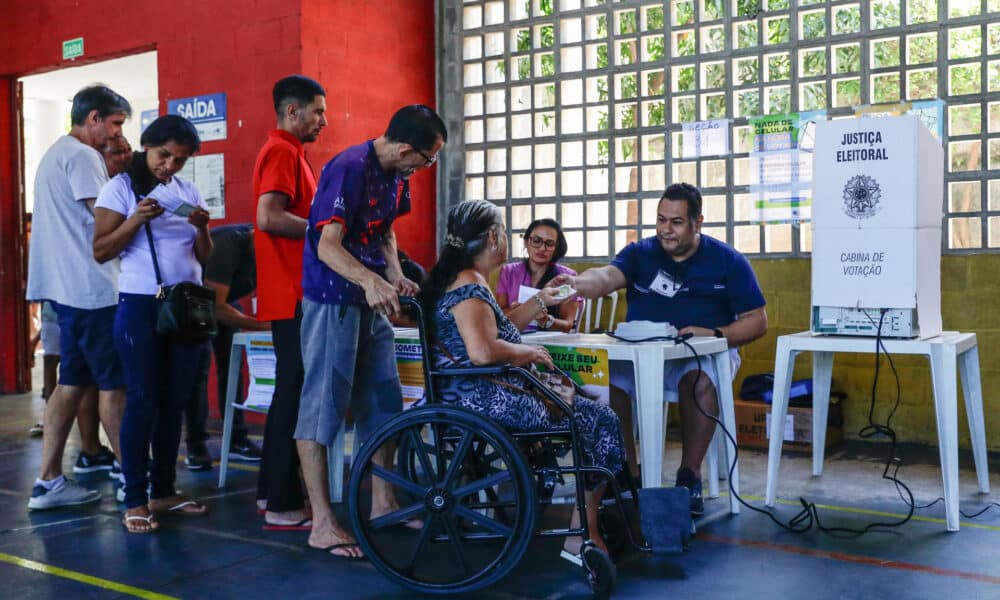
284,184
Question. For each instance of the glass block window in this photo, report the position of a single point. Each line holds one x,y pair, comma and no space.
574,109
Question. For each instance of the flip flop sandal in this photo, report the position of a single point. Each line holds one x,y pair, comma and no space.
303,525
328,549
150,520
179,509
573,558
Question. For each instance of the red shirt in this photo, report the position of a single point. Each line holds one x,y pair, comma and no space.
281,167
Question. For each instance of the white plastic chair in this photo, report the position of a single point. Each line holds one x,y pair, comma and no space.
591,317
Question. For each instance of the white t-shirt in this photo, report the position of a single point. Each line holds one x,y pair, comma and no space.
61,265
173,235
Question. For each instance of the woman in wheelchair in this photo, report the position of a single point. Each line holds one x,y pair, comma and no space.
472,330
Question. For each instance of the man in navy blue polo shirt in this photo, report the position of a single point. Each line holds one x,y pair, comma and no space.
351,283
701,286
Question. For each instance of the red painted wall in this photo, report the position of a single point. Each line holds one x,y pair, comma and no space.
369,64
374,56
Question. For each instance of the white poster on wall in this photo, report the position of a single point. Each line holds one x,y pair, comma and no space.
705,138
207,172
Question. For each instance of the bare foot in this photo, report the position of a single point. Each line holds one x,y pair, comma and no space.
346,545
378,511
140,520
574,544
290,517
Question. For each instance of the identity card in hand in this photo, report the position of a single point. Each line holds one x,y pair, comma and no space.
184,209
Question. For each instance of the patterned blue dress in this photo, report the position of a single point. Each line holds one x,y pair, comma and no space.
597,424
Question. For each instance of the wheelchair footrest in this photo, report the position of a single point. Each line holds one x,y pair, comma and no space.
665,517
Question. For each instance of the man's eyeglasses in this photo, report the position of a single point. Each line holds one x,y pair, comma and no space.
538,242
428,160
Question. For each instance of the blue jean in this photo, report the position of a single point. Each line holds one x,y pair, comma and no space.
159,375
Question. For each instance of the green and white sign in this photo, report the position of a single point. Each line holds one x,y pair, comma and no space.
72,48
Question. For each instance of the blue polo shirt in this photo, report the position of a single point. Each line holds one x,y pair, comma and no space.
355,191
708,289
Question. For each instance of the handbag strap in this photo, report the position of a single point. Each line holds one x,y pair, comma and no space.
152,252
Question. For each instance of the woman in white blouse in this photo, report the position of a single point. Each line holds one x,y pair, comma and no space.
159,372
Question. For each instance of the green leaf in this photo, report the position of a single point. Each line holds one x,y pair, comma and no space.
683,13
965,79
922,84
885,54
848,20
657,114
716,106
548,65
654,19
814,63
629,86
747,71
626,23
746,35
813,26
777,31
922,48
685,79
779,68
885,14
886,88
524,40
813,96
548,36
749,103
848,59
655,48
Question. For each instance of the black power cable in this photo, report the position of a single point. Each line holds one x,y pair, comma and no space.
809,515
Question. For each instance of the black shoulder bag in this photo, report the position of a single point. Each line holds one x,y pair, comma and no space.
186,311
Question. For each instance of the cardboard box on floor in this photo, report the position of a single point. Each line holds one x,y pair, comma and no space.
753,426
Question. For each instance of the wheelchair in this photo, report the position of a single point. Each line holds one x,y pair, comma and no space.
478,489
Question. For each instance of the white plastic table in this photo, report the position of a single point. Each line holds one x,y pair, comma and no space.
647,359
241,341
951,354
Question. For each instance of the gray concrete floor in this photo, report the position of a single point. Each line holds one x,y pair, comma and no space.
85,552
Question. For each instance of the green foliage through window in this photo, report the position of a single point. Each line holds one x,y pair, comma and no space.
847,20
548,37
885,14
848,59
524,40
777,31
813,25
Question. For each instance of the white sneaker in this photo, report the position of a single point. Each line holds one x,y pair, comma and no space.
67,493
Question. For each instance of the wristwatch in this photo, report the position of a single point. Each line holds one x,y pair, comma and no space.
718,333
546,321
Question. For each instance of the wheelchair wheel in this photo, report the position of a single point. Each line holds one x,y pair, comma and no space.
600,572
432,459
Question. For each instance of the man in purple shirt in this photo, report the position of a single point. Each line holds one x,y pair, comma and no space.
351,282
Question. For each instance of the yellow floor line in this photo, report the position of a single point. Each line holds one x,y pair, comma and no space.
88,579
876,513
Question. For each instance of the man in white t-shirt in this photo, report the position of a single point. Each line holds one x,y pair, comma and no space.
84,294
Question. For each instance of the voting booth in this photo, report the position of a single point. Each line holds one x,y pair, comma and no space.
877,210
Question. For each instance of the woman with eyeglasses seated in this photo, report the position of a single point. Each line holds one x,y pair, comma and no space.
544,245
468,328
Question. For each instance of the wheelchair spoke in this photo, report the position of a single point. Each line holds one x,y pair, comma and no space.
398,481
420,449
479,519
486,482
425,535
457,459
396,516
456,543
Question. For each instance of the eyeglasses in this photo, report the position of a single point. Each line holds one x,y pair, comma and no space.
428,160
538,242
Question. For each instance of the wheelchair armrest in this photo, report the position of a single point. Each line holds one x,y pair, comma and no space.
508,369
472,371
